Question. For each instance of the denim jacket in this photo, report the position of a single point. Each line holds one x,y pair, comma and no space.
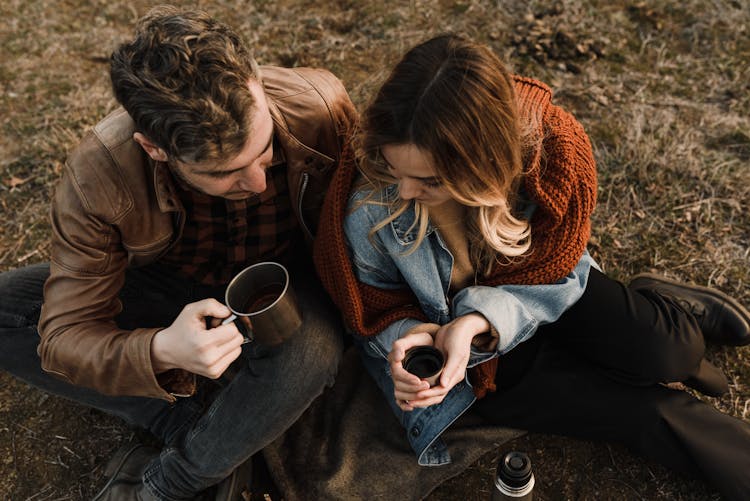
515,311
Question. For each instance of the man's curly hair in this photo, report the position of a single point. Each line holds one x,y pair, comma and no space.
184,81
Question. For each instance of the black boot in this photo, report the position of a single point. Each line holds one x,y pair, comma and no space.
721,318
236,487
125,472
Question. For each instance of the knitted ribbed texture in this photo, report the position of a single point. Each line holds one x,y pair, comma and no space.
560,178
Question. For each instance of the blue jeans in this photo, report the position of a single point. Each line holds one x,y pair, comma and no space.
208,435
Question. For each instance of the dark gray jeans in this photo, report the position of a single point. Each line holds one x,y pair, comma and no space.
208,435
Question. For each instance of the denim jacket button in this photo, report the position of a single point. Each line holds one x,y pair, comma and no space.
415,432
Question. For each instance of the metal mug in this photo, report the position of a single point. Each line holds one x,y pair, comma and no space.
263,304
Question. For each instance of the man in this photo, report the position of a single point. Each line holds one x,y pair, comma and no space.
211,164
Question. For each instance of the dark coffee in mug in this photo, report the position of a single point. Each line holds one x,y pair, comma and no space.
263,297
263,304
423,361
423,366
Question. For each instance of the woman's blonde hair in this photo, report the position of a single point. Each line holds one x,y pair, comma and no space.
454,99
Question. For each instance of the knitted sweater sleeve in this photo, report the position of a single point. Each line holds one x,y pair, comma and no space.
366,309
562,183
566,193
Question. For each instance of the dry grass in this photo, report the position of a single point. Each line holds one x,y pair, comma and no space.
662,88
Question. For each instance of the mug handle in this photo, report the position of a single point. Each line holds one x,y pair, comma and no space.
245,339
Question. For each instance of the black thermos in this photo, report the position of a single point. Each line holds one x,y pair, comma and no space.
514,479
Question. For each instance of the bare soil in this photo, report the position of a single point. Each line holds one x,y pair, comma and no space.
660,86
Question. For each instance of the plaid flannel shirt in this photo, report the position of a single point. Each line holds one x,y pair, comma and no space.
221,236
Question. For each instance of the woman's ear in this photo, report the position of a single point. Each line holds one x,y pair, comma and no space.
150,148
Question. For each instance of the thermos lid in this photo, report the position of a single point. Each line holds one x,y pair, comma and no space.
515,469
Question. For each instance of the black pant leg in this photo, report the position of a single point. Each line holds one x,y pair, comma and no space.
641,339
562,393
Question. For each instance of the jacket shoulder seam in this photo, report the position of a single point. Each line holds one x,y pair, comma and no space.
323,97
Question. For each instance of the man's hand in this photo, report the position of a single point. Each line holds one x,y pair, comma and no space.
187,343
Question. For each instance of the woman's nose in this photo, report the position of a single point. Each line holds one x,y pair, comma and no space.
408,189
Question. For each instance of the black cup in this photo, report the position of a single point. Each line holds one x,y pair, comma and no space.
425,362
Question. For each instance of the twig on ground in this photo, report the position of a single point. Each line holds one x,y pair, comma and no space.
28,430
44,490
622,482
67,449
59,462
612,459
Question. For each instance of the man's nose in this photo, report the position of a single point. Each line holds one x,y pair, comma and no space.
254,179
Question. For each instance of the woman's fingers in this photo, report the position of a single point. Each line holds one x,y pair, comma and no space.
403,377
410,387
399,347
453,372
426,402
436,393
404,405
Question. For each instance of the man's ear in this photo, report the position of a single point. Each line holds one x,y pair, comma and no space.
150,148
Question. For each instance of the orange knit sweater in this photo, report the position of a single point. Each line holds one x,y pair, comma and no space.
560,177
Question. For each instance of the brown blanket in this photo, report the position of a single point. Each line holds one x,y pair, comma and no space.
349,445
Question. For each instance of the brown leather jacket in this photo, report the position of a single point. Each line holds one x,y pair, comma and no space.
115,208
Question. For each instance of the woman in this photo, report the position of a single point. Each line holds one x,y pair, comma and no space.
467,230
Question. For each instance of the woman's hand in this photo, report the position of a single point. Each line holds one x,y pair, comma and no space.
454,340
407,385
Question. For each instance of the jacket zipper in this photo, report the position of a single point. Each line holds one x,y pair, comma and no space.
304,179
177,228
